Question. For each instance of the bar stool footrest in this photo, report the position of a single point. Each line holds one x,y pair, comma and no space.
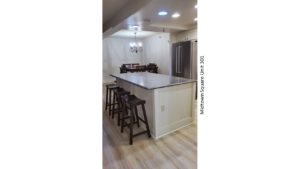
117,110
142,120
128,124
140,133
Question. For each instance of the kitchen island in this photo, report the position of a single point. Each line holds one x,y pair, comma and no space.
169,100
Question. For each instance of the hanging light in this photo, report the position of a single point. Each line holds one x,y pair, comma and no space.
135,46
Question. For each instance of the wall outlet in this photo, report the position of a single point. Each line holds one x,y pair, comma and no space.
162,107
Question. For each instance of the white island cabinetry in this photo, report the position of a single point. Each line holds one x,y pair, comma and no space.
169,100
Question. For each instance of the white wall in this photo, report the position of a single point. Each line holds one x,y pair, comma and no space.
157,49
116,52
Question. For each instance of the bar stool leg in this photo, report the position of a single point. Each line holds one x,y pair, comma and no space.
120,111
131,125
106,99
122,118
137,117
114,102
146,120
109,108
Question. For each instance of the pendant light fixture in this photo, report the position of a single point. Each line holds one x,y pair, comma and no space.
135,46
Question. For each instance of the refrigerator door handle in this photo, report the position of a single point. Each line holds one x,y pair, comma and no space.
178,64
180,59
181,62
176,60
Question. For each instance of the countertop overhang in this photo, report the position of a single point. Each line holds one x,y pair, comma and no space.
152,80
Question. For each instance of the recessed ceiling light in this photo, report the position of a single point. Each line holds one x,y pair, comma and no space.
175,15
196,6
195,19
162,13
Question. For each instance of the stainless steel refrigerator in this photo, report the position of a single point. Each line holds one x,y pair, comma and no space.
184,59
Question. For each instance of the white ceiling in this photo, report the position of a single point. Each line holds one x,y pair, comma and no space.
130,34
147,18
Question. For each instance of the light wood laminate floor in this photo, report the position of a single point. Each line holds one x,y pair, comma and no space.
177,150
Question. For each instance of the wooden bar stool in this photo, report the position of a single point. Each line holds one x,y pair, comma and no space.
109,91
124,113
130,102
117,101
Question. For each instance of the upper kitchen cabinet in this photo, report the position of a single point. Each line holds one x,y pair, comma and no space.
186,35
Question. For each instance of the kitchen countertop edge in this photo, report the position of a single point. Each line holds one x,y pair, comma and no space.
175,84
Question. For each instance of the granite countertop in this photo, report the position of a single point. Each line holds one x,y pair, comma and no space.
152,80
